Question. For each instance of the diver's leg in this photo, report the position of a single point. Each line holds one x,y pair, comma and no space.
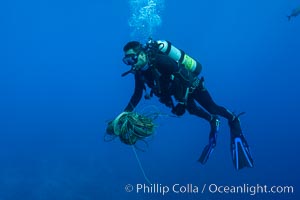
198,111
214,121
193,109
202,96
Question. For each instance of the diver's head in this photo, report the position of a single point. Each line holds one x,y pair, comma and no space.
135,55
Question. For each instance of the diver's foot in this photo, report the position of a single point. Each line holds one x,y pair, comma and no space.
214,125
235,126
214,129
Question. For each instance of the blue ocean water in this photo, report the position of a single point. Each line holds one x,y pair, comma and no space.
60,67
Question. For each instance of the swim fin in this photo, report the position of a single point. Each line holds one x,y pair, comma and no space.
208,149
241,155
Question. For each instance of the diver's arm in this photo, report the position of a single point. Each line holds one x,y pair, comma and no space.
137,95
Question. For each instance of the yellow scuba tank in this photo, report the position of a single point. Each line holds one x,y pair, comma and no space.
179,56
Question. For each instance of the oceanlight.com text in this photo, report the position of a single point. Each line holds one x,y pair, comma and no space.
248,189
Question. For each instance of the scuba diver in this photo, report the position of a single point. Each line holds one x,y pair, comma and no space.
173,75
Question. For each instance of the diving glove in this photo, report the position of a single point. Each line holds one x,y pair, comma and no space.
179,109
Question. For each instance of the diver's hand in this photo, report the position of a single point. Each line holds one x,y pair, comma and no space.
110,127
179,109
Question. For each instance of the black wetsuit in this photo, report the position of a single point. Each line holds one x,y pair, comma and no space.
162,77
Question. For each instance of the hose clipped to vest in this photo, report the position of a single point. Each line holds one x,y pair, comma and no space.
131,127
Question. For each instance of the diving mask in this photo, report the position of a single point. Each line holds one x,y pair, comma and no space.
131,59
